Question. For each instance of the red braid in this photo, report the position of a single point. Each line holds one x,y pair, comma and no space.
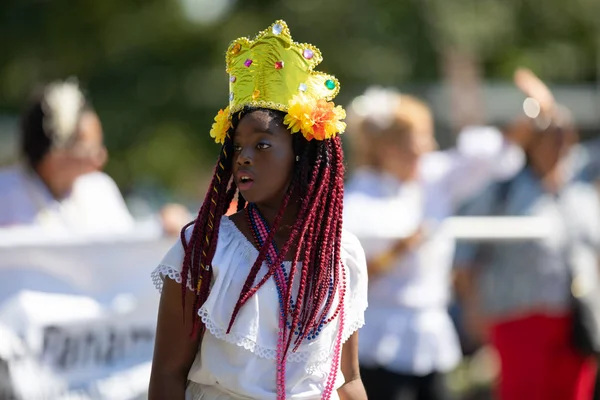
200,250
310,254
334,212
248,290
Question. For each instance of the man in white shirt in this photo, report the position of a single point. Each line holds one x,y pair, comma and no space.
59,184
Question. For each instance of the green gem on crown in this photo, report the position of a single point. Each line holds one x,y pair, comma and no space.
329,84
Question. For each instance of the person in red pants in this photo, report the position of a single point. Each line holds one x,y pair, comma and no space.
516,294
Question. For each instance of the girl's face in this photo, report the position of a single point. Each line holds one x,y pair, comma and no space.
263,161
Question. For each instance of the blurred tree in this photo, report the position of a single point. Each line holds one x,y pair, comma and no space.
155,68
494,37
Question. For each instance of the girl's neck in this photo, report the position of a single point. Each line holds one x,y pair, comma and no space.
290,214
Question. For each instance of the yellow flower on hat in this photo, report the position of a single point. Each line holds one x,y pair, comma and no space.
221,125
316,118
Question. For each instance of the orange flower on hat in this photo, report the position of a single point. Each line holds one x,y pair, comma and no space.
221,126
316,119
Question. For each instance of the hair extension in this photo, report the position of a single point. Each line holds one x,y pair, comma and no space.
201,247
317,186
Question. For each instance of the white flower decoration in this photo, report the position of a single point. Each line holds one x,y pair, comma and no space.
379,105
62,104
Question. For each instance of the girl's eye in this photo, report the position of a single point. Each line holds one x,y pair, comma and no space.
237,147
263,146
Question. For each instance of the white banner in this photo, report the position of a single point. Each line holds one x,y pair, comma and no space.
101,268
80,315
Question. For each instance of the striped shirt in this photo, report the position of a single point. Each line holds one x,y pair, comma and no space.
517,277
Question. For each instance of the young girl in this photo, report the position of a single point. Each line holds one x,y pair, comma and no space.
265,304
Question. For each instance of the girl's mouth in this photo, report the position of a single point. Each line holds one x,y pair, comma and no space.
245,182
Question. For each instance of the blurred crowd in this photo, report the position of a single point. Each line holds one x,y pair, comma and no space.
435,300
514,294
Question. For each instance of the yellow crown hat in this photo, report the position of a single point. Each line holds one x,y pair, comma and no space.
272,71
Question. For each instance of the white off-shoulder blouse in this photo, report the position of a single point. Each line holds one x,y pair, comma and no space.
242,364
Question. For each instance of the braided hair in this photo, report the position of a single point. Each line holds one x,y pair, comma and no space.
316,235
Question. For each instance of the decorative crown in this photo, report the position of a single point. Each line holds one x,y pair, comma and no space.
272,71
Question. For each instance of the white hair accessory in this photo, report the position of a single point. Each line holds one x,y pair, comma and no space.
62,104
378,105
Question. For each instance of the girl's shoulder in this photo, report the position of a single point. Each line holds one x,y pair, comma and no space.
353,257
232,248
357,282
231,236
232,245
352,251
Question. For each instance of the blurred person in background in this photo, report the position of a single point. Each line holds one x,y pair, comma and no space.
587,158
516,294
59,183
400,191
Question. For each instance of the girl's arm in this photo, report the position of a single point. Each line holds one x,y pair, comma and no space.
353,388
174,348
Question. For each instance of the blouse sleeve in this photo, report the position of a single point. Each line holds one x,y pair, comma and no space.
171,264
357,283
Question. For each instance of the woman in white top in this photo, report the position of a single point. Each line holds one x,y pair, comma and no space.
395,200
59,184
272,295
